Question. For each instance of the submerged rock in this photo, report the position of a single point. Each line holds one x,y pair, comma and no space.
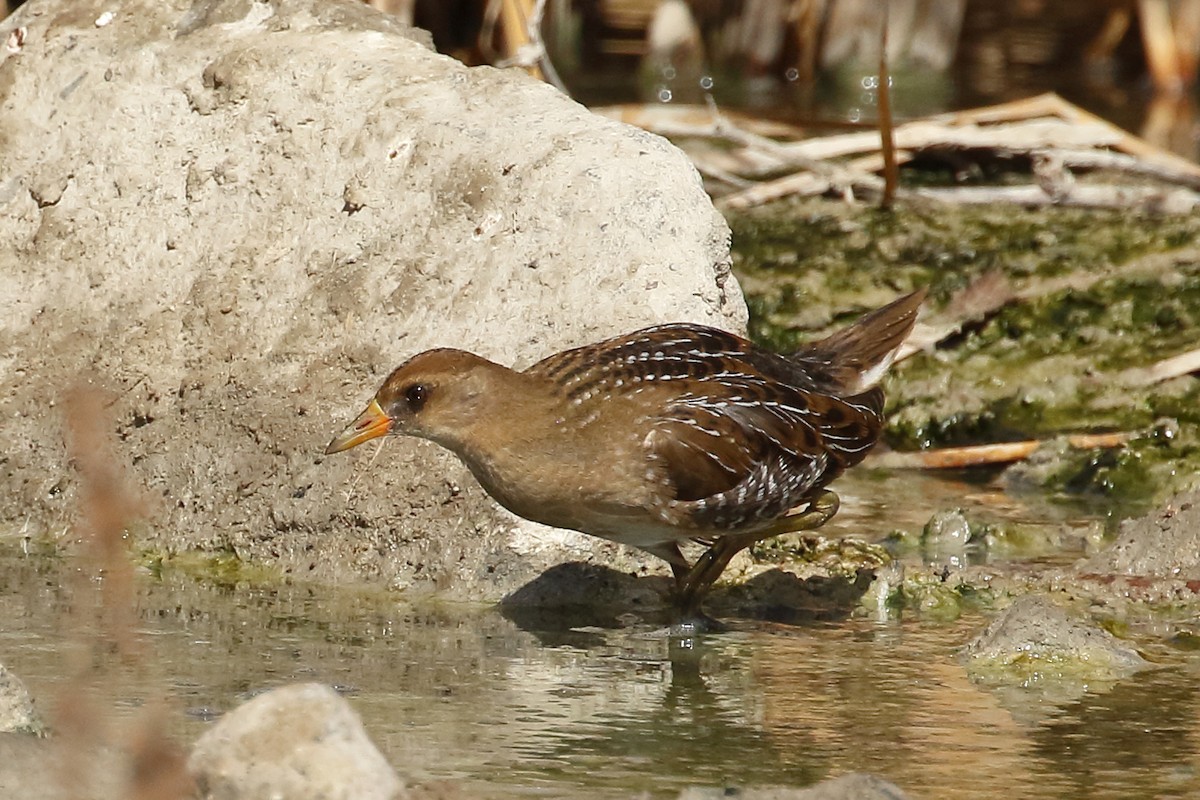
299,741
1034,642
235,218
852,786
947,537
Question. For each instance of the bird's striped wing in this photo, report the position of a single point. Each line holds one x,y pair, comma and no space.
742,460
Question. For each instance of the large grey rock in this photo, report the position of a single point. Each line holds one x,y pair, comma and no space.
235,217
300,741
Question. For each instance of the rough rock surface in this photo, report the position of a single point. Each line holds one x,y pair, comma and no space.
235,217
1164,543
300,741
1034,640
947,537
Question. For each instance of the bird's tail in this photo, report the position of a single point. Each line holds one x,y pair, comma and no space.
853,360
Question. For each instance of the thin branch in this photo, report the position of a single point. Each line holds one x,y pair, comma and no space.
535,37
1055,136
526,47
798,184
1141,198
887,141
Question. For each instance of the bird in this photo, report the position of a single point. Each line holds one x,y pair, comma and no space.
653,438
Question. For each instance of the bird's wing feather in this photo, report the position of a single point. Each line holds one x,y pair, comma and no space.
736,463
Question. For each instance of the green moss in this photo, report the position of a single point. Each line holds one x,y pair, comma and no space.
805,262
902,542
1131,478
1117,627
841,557
221,568
933,600
933,595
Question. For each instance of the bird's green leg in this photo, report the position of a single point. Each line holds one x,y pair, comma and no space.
692,585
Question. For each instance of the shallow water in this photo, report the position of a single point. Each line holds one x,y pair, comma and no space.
466,694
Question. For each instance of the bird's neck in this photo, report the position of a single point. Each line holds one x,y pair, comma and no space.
514,440
502,410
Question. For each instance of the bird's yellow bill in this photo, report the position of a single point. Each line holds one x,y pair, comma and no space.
371,424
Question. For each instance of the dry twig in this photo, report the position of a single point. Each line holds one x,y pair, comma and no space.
1165,370
1054,136
887,141
1136,198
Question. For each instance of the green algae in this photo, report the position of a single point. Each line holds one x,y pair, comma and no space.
838,557
218,568
939,595
807,264
1104,295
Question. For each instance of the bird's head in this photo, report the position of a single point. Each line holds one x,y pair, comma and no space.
435,395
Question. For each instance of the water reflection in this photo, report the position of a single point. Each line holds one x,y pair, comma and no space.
1141,736
510,705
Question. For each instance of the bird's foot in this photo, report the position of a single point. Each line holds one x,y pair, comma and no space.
692,584
819,511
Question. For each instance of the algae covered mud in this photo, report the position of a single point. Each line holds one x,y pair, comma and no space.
1091,301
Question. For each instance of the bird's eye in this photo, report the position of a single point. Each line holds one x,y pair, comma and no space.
416,395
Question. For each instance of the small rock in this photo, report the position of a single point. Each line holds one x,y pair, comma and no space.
1035,641
852,786
946,538
300,741
949,527
17,712
887,581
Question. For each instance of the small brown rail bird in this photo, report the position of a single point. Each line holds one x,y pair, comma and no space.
653,438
